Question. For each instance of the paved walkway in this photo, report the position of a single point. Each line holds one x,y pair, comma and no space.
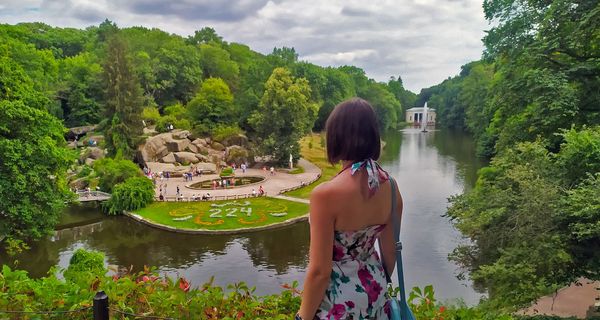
273,184
572,301
292,199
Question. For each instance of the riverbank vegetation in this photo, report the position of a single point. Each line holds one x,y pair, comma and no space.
533,106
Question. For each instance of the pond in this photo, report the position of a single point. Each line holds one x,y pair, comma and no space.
429,168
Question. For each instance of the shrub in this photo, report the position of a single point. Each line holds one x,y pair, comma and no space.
133,194
226,172
85,265
163,123
114,171
222,132
150,115
177,110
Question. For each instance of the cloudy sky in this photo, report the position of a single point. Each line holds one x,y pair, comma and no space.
423,41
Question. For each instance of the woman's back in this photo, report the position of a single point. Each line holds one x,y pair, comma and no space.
354,209
345,277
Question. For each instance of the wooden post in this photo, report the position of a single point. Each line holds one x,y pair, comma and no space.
100,306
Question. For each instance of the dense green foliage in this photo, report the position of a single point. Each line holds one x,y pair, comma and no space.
213,104
533,229
33,157
124,104
132,194
540,74
119,77
534,103
114,171
285,114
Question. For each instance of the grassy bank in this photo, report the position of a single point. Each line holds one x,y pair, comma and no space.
313,150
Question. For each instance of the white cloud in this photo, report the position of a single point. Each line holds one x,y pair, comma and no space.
424,41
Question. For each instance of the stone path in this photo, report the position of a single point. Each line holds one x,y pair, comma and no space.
273,184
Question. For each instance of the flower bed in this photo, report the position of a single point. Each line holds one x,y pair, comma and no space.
223,215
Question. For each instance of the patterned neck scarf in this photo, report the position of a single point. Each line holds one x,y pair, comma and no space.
376,174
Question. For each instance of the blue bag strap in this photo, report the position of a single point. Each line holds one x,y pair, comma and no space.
405,311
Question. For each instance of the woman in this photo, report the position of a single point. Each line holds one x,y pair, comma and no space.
345,277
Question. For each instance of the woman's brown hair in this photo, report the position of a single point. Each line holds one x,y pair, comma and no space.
352,132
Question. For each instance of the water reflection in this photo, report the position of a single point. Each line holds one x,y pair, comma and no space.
429,167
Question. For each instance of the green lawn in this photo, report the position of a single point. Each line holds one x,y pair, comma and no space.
223,215
312,151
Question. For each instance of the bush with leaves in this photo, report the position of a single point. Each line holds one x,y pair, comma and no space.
133,194
85,265
150,115
114,171
222,132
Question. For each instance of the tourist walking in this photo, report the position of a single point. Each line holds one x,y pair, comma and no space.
347,214
272,171
261,191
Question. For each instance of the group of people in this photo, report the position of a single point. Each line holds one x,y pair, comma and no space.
223,183
271,170
261,192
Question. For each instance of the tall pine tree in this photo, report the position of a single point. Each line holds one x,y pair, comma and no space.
124,101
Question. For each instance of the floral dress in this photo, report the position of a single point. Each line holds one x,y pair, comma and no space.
357,289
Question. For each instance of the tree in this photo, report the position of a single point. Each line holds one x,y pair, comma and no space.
285,114
283,57
213,104
81,92
114,171
205,35
216,63
132,194
123,101
387,108
33,161
396,87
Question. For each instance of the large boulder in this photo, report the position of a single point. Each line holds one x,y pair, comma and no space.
185,157
202,158
206,166
237,154
178,145
155,147
169,158
217,146
79,184
200,142
183,134
238,139
95,153
193,148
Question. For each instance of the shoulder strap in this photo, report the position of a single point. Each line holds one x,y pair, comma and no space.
406,314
